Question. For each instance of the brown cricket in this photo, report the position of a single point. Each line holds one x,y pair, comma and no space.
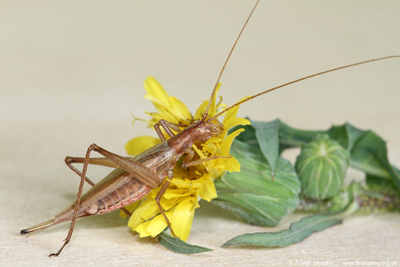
134,177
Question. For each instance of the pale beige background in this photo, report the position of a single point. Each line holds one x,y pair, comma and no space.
71,74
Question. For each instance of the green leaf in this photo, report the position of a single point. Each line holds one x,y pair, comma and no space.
322,166
297,232
345,134
268,140
302,229
353,134
251,194
369,154
290,137
177,245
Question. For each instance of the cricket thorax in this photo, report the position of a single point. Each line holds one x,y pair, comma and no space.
199,131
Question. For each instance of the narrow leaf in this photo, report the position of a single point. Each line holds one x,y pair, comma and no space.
268,140
297,232
302,229
176,245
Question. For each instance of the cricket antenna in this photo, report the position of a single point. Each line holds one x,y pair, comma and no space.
226,62
295,81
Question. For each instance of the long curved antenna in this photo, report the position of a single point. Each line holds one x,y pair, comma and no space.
226,62
295,81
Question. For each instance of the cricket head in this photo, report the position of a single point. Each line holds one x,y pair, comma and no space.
203,130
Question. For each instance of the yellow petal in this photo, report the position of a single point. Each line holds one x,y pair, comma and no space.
207,190
226,144
183,217
234,122
230,117
200,111
212,146
232,165
213,108
176,193
170,108
181,111
158,224
164,109
136,219
158,102
215,164
199,152
232,113
151,211
168,203
155,89
142,229
185,185
139,144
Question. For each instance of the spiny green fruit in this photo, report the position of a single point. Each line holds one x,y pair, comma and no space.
321,167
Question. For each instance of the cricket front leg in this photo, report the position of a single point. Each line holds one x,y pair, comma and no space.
168,127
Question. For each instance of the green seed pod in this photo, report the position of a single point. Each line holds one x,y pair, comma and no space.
321,167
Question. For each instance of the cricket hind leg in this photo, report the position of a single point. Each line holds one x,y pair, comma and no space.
140,171
105,162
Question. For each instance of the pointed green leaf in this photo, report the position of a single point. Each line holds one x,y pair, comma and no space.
353,135
296,233
290,137
370,155
177,245
300,230
268,140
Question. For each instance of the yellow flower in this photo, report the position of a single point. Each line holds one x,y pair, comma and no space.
190,184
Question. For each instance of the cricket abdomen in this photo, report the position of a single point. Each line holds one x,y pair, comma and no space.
104,197
116,190
126,195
